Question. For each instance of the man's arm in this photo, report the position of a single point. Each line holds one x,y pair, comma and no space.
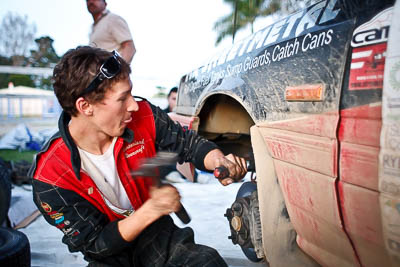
162,201
127,51
122,36
86,229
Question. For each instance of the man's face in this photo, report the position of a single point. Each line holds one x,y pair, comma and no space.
95,6
114,112
172,101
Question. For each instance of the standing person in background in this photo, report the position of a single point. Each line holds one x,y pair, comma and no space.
170,173
110,31
171,99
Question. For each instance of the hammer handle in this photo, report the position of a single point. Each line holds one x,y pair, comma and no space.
183,215
221,172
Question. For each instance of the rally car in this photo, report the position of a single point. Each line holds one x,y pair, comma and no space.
313,100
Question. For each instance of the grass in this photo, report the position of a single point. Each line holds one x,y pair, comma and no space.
15,155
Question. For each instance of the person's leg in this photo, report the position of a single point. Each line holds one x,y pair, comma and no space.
164,244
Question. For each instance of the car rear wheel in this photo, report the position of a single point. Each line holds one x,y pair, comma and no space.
244,222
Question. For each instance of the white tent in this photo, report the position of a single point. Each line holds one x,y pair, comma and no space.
25,91
22,101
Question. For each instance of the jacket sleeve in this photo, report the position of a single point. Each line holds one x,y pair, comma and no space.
172,137
85,228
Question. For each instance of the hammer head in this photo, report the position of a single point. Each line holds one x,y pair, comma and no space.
149,166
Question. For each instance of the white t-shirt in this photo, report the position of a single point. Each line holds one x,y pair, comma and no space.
109,32
106,165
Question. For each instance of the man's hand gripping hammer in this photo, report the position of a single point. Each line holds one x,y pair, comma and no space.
150,168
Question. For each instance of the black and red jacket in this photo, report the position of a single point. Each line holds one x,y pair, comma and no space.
69,199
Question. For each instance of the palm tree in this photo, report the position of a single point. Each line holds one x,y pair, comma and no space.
245,12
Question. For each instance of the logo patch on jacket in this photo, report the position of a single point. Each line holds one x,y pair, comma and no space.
135,148
46,207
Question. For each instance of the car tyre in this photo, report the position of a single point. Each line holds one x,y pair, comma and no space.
14,248
5,190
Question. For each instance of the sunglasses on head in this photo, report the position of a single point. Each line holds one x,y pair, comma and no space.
108,70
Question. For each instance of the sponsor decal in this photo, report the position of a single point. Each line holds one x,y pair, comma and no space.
367,67
394,76
276,53
393,245
290,28
61,225
75,233
393,233
90,190
389,156
391,221
390,187
59,220
46,207
135,143
56,215
374,31
134,148
392,137
393,204
66,231
391,164
392,87
393,103
139,150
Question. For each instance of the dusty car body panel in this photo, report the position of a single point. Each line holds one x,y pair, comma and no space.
311,84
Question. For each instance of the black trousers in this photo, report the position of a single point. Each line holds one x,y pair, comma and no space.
165,244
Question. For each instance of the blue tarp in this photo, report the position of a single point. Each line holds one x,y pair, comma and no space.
22,139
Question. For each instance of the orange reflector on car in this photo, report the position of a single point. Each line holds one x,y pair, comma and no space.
306,92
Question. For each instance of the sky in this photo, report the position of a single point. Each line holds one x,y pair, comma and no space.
171,37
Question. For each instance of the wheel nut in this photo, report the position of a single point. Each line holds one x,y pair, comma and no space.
237,208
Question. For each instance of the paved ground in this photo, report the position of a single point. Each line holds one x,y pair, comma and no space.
207,204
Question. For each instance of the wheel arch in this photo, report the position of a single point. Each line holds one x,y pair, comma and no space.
224,119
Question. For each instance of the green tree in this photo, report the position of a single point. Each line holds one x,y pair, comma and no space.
44,56
161,92
21,80
244,13
4,77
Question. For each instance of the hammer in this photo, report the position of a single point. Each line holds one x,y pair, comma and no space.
150,168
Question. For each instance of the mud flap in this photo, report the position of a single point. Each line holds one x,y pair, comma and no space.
278,234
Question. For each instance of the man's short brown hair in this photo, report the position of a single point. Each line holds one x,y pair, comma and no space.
76,69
